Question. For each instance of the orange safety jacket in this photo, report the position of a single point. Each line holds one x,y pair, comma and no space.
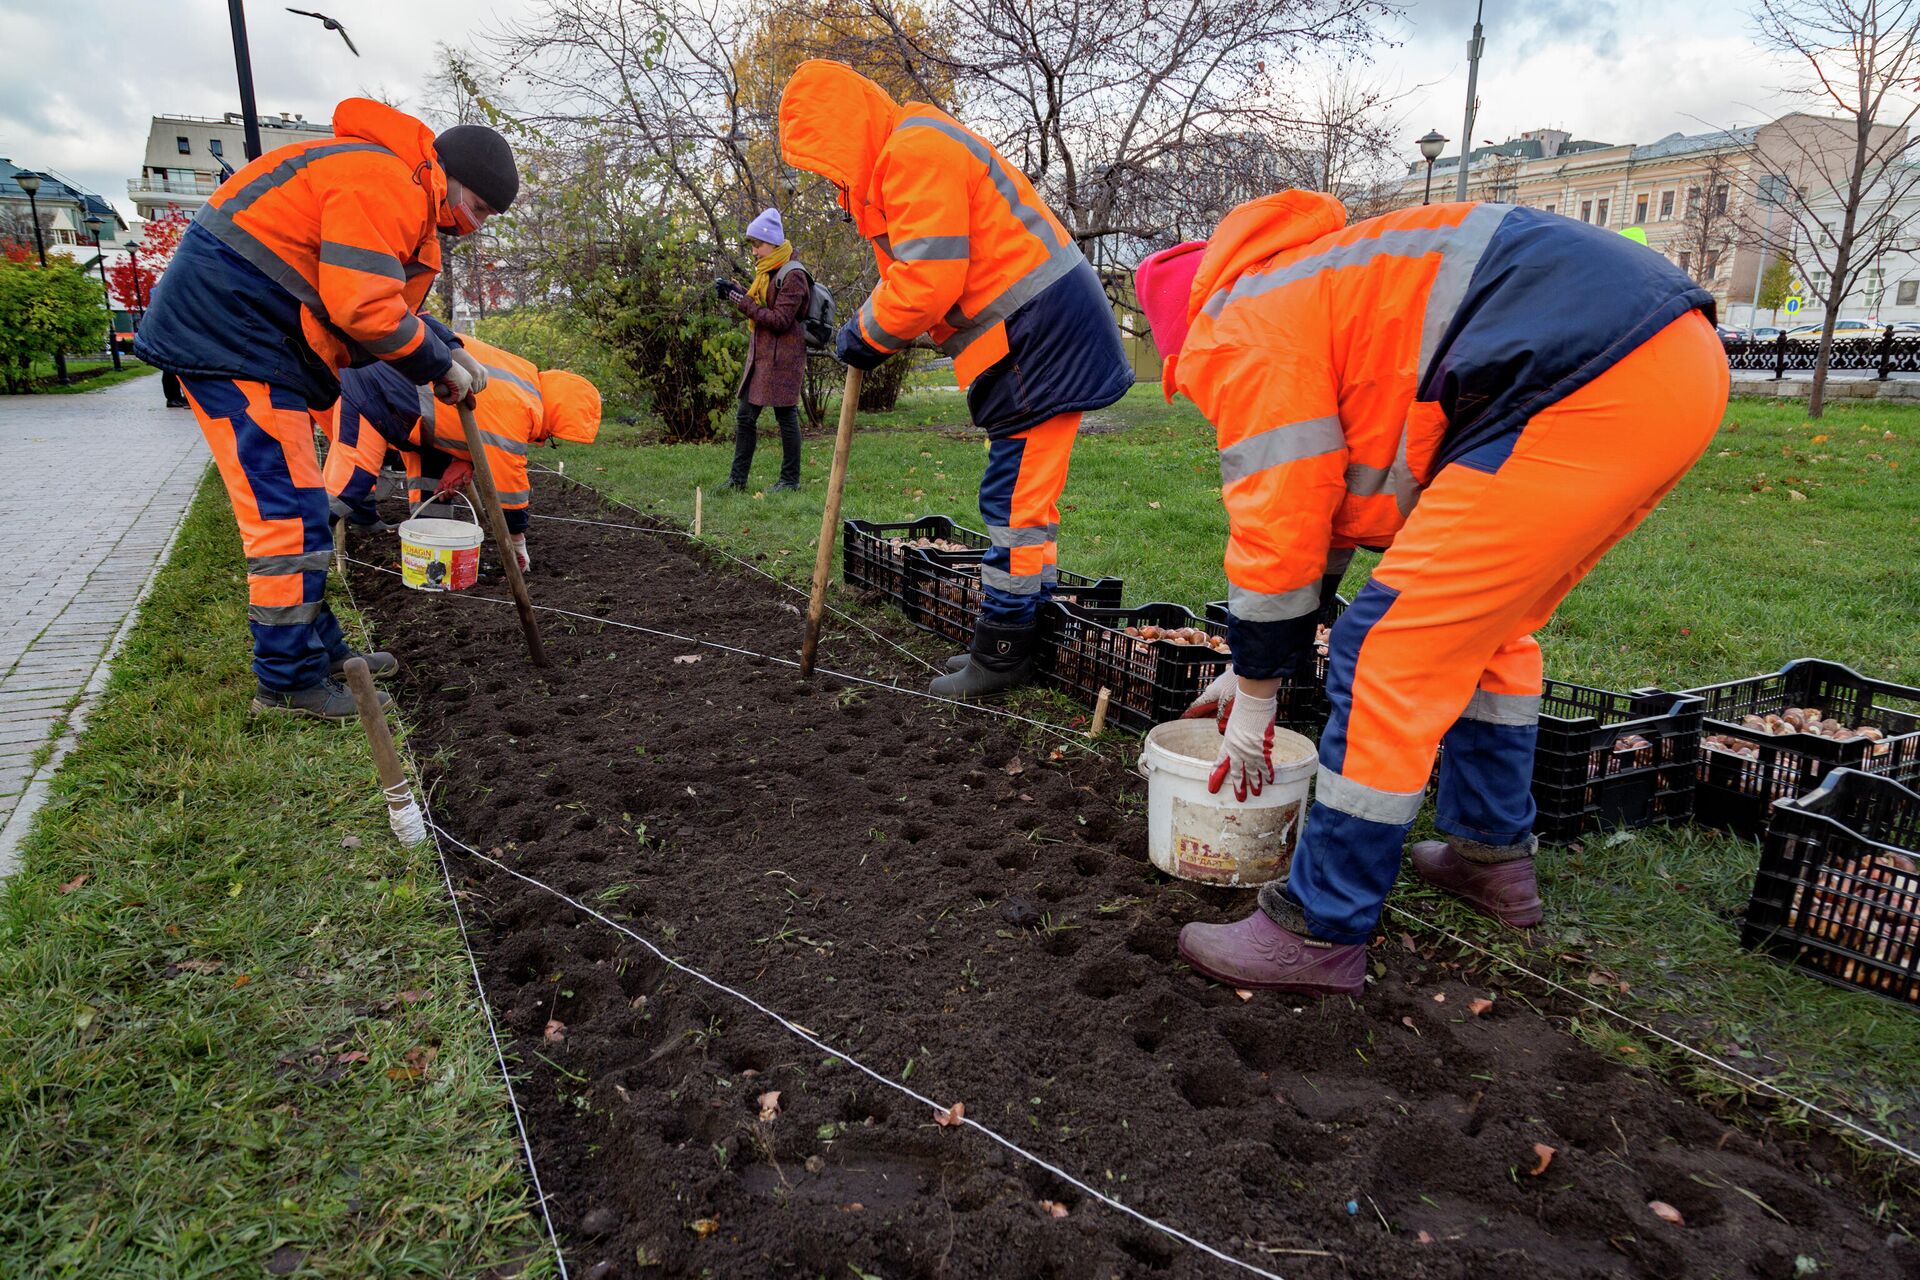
344,232
510,416
521,406
965,245
1342,366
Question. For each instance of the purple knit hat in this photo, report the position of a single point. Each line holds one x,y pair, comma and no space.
767,228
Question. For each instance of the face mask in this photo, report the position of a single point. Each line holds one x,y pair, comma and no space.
463,220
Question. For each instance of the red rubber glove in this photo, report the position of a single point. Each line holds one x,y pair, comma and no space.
454,478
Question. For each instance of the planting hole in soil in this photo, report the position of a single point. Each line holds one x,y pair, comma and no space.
864,863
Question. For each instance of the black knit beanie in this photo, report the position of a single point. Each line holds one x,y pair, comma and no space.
481,161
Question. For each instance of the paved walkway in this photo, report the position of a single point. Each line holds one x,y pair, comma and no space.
100,482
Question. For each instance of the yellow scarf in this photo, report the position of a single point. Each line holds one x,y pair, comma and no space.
762,287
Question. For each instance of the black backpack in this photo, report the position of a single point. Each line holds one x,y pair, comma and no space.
817,315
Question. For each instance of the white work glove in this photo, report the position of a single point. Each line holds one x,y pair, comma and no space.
475,370
519,541
454,386
1247,755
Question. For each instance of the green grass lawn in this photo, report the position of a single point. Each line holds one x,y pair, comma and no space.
240,1033
1790,539
88,374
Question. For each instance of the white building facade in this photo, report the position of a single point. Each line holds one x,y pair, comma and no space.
188,157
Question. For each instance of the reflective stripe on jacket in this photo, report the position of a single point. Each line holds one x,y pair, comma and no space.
966,247
310,259
1342,366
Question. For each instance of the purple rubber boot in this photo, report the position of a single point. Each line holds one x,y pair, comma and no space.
1259,955
1507,891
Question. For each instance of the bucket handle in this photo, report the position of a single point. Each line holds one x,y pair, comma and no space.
435,497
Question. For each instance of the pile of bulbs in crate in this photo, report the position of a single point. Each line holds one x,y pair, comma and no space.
898,547
1793,720
1181,635
1866,904
1196,636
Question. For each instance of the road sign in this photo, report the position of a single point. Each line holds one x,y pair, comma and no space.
1791,306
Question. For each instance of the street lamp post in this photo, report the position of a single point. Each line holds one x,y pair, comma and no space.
1431,146
139,294
1474,48
30,183
95,223
243,67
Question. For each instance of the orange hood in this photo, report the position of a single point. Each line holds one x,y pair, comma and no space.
572,407
365,120
1251,235
833,122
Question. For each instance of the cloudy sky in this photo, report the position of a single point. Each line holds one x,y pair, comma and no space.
82,81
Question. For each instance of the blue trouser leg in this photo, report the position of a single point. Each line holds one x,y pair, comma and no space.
1349,850
1486,777
262,441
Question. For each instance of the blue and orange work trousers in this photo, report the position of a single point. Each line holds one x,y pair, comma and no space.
1437,648
262,441
1020,502
355,452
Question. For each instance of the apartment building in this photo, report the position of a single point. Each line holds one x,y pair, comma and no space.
189,156
1694,196
64,208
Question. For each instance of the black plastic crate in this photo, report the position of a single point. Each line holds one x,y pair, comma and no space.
1084,650
1837,892
1606,759
870,559
1737,784
944,593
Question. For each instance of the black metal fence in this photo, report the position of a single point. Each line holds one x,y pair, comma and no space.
1893,351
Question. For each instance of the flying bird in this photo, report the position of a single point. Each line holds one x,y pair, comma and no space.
331,24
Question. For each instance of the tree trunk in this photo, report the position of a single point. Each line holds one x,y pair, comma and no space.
1836,293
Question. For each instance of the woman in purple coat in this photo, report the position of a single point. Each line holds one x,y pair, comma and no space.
774,305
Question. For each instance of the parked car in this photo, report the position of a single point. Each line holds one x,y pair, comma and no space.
1766,332
1843,331
1730,333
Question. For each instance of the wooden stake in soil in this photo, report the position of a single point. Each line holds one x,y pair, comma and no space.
502,540
340,546
696,511
1099,713
403,812
830,520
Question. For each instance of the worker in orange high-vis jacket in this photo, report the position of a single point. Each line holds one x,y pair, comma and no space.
522,406
1497,395
972,257
314,258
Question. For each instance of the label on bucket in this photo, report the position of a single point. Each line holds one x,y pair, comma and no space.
438,568
1234,846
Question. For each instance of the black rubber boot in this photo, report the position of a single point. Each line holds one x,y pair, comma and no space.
380,664
1002,659
325,701
959,661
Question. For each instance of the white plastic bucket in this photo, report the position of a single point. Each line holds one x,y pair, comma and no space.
1216,839
440,555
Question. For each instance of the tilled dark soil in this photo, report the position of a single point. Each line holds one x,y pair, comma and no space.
936,895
